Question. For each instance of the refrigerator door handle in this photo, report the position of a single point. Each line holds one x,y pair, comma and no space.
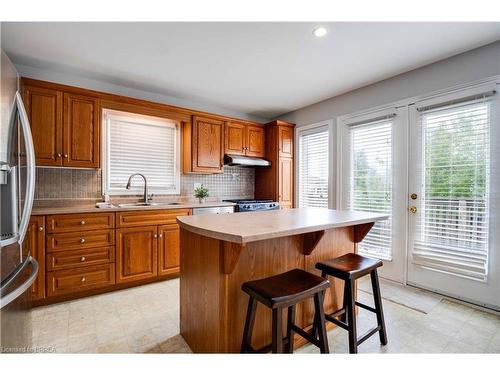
5,300
30,166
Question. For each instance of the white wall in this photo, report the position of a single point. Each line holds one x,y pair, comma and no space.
467,67
80,81
474,65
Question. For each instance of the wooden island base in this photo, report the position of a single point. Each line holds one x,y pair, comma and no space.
212,305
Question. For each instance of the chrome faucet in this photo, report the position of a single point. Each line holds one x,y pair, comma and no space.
146,195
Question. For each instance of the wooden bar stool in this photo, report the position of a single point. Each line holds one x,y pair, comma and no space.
349,268
285,291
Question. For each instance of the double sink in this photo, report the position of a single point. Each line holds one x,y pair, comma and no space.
143,204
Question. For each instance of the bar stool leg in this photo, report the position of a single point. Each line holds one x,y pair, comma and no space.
277,344
351,317
289,330
249,320
378,306
320,322
343,317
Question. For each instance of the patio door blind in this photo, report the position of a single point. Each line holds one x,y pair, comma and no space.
371,180
313,168
452,220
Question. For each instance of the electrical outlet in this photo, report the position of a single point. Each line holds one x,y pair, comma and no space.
197,185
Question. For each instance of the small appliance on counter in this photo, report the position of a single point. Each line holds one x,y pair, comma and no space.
248,205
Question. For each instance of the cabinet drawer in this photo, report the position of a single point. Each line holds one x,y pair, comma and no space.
80,240
77,222
80,258
153,217
77,280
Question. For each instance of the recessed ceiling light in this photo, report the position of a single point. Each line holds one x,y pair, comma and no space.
320,31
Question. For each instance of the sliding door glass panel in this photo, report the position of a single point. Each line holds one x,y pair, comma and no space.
451,233
371,183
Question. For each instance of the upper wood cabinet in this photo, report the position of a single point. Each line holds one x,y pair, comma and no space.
234,138
81,131
44,108
65,127
36,235
243,139
203,145
255,141
285,141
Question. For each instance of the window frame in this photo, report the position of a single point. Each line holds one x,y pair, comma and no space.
105,150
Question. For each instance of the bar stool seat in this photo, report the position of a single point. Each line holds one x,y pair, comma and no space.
285,291
350,267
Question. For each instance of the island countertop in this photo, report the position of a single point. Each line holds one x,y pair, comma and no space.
245,227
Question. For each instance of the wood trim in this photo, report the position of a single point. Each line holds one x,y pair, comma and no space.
230,253
361,230
311,240
182,113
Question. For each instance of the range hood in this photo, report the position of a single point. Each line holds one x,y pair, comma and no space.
245,161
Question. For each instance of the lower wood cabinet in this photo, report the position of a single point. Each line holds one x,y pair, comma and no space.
74,281
168,249
136,253
36,237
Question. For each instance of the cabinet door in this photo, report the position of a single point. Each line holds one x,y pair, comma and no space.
255,141
136,257
44,109
168,249
207,145
37,250
81,131
285,183
234,138
285,139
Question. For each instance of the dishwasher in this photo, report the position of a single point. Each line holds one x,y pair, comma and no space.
213,210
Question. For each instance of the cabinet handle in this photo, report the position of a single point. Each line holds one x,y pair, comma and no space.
82,222
59,155
40,229
155,236
160,235
66,156
82,240
83,279
82,259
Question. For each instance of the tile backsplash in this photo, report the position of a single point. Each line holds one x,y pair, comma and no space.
63,183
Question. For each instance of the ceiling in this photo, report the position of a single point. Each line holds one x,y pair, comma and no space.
260,69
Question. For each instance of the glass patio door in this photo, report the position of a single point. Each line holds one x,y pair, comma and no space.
453,200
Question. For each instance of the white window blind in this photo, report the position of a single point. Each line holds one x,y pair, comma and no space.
313,168
452,221
371,182
141,144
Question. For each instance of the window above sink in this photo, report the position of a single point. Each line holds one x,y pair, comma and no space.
134,143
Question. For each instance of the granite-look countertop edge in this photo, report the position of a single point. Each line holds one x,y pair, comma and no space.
245,227
38,211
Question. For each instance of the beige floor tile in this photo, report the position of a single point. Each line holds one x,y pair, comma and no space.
120,345
86,343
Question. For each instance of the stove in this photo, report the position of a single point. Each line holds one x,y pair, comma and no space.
248,205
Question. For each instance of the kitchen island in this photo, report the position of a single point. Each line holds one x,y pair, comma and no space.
221,252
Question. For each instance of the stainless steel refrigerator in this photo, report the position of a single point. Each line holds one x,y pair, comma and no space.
18,270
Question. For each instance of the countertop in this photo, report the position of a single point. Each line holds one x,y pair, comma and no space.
247,227
65,207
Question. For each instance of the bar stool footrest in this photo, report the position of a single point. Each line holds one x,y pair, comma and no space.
366,307
368,334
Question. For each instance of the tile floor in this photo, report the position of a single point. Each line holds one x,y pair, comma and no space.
145,319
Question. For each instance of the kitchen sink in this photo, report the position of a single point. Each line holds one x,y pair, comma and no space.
138,204
142,204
